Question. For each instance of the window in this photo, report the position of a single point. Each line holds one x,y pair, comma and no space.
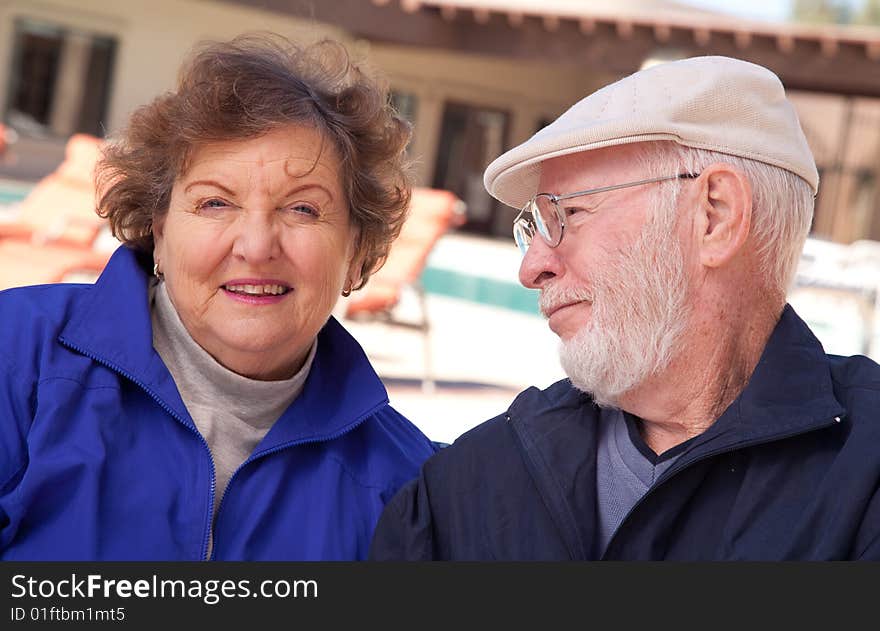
405,103
470,138
59,80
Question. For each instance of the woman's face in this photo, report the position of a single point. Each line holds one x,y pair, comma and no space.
256,247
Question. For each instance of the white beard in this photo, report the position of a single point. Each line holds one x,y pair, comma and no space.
638,314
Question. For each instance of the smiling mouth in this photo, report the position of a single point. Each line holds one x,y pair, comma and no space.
558,307
257,290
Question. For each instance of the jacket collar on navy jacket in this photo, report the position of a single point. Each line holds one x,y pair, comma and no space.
790,392
111,324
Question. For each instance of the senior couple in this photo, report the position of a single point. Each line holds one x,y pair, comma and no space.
199,401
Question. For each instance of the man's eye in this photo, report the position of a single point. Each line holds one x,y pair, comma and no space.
583,208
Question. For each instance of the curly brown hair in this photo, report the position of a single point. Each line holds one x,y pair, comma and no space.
242,89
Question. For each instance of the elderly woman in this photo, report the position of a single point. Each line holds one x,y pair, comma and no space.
199,402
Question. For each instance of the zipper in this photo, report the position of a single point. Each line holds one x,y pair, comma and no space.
173,415
674,470
287,445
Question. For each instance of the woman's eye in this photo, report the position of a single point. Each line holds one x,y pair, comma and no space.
302,209
213,203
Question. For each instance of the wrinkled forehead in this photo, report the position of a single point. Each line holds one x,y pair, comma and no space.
300,147
591,169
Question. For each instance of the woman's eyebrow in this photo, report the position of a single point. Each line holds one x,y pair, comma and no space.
292,191
302,187
208,183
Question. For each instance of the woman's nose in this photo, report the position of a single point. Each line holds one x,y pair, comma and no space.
540,265
257,239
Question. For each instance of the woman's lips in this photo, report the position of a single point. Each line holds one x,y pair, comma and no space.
256,291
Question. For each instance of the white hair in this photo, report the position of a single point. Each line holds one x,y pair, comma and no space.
639,312
782,203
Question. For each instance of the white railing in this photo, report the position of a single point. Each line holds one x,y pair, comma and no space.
837,291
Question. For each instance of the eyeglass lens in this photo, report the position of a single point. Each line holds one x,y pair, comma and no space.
522,234
544,220
547,222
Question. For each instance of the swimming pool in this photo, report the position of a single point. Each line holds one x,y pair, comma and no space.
12,192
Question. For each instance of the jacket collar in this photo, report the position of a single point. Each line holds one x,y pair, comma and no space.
111,325
557,431
790,392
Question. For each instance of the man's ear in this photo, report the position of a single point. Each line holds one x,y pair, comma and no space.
724,213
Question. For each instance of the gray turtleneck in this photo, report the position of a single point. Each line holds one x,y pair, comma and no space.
233,413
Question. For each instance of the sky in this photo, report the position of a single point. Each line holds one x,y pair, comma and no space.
771,10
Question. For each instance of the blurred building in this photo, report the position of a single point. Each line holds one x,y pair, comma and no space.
475,76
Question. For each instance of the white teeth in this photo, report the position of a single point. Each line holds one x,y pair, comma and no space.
257,290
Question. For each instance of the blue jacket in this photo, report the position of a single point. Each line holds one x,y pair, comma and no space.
791,470
99,458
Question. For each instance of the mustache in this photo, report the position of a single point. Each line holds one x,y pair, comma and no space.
553,297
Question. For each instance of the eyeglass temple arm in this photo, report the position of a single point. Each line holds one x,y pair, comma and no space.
615,187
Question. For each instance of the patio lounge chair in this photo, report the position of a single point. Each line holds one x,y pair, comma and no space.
432,213
61,207
55,232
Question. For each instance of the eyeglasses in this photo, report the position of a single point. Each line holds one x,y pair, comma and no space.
548,217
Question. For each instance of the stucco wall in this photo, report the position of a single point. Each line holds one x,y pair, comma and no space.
153,37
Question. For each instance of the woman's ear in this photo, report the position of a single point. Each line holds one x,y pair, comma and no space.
355,271
157,229
724,213
158,225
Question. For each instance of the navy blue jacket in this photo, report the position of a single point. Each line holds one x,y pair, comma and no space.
791,470
99,458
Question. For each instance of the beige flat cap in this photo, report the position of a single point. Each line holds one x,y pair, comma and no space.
715,103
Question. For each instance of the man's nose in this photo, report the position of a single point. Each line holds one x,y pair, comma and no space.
540,265
257,240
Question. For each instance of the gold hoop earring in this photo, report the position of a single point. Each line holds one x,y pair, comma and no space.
346,292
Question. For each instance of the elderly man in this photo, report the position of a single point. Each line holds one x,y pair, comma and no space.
662,219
